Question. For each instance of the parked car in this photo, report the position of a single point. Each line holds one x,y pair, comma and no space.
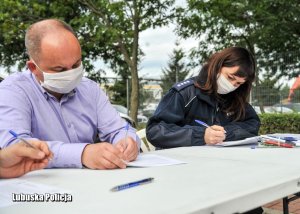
294,106
142,119
123,111
277,109
273,109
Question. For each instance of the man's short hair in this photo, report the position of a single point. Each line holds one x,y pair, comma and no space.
37,31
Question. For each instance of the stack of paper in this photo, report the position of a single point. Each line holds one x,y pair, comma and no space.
250,140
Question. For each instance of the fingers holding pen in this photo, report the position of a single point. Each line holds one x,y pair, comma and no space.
43,147
102,156
214,134
130,150
218,128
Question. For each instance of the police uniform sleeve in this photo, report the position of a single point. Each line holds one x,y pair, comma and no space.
249,127
166,128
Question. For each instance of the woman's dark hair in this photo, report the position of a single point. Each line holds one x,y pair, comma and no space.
233,103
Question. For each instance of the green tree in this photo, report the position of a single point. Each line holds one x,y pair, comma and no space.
176,71
270,29
106,29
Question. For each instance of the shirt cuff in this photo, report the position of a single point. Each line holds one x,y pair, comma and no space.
68,156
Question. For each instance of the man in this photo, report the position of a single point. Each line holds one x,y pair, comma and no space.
52,102
19,158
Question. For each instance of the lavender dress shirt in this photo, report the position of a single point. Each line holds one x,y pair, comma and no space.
79,118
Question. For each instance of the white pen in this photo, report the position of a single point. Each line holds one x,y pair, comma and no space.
273,138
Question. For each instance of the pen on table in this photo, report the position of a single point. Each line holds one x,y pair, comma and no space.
131,184
21,139
277,139
26,142
277,143
204,124
288,140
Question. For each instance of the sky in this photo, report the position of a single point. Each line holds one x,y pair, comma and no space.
158,45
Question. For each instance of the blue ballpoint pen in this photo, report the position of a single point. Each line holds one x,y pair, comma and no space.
131,184
22,139
203,124
26,142
126,133
126,127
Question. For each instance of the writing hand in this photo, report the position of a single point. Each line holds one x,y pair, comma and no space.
102,156
214,134
129,147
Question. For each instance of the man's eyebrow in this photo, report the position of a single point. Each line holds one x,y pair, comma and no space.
63,68
79,60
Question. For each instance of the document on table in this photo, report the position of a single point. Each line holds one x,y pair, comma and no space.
10,191
250,140
150,160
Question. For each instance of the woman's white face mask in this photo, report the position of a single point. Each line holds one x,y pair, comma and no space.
224,85
62,82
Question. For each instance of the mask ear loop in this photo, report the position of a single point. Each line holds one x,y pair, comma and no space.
37,66
39,70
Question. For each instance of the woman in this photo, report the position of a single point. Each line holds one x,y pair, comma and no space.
217,96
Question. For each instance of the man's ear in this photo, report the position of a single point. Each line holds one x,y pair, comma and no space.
34,69
31,66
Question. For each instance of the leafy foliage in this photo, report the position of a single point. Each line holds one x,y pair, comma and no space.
270,29
279,123
106,29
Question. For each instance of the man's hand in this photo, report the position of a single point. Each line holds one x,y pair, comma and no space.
102,156
19,158
214,134
129,147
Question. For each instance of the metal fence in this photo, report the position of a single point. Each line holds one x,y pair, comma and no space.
276,89
265,98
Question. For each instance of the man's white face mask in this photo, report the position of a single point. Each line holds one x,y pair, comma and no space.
62,82
224,85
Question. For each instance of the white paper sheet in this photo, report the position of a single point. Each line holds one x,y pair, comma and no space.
150,160
250,140
12,187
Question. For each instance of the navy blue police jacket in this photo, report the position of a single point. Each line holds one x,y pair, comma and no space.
173,123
